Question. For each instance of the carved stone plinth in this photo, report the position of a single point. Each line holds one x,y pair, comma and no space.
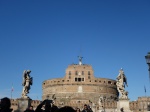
23,104
123,105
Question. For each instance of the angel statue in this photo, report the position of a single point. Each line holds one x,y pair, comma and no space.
27,82
121,83
80,60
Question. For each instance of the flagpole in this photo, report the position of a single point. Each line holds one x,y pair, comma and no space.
11,94
12,90
145,90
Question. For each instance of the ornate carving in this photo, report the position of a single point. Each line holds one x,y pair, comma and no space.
27,82
121,83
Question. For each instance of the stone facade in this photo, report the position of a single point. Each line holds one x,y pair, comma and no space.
142,104
15,104
79,87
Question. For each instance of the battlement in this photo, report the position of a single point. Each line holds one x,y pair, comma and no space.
63,81
79,85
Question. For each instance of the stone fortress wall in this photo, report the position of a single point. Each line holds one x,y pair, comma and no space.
14,104
142,104
79,87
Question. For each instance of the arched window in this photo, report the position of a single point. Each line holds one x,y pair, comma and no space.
109,82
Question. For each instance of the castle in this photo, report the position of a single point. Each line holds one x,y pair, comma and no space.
79,87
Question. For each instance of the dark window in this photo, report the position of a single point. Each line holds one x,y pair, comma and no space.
76,73
69,72
79,79
89,77
76,79
89,73
109,82
82,72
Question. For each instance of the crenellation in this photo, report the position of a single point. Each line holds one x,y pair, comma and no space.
79,86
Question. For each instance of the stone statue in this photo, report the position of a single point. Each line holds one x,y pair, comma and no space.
27,82
121,83
80,60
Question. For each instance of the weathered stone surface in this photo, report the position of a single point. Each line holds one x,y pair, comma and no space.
23,104
123,104
78,86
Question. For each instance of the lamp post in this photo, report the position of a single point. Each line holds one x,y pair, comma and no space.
147,57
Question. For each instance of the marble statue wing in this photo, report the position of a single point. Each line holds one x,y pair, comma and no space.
24,78
31,80
125,80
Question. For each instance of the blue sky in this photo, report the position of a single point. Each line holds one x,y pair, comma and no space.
46,36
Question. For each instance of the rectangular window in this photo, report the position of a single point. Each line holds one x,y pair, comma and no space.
76,79
79,79
82,79
88,72
76,72
109,82
82,72
69,72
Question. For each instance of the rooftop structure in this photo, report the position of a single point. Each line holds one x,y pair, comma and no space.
79,87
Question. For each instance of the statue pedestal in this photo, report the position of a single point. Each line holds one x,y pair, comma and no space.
23,104
123,103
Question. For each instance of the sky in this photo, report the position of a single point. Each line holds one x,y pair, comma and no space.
45,36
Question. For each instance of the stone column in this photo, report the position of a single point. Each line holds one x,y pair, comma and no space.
23,104
123,105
